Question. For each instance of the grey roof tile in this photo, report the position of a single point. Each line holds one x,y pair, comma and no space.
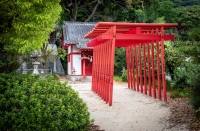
74,33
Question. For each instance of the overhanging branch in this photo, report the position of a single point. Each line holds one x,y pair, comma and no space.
93,12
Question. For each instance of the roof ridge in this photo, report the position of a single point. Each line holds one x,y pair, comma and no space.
79,22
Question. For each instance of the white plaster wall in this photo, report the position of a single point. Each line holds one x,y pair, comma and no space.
69,49
69,68
77,63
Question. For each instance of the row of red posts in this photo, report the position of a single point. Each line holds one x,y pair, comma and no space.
144,43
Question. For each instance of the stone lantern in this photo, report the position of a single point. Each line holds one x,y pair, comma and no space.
35,62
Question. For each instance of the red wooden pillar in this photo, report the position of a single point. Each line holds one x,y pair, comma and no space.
84,68
149,71
153,72
136,58
145,86
112,65
127,66
107,72
133,66
128,62
163,64
94,70
158,65
98,70
101,72
140,59
130,66
131,61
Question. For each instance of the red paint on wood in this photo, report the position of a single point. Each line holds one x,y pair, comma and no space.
149,71
140,59
163,64
145,84
133,36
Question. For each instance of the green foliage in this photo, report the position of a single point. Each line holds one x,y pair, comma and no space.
174,57
117,78
160,20
167,11
180,93
61,53
120,61
56,76
124,76
35,103
195,84
181,78
24,27
179,3
188,19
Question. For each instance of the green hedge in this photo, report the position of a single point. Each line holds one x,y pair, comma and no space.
35,103
195,91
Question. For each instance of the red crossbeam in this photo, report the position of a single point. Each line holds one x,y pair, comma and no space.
127,38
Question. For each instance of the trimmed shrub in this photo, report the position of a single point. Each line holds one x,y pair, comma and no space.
35,103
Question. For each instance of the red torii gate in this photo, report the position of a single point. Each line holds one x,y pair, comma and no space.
142,41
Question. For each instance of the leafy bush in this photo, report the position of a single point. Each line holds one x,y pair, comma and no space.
117,78
35,103
195,97
120,61
56,76
181,78
124,76
179,93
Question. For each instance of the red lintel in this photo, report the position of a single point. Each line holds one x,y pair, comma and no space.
104,26
128,38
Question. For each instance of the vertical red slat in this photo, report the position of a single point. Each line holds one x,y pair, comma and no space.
102,68
99,72
127,66
93,68
129,59
136,59
149,71
133,67
103,71
153,72
163,64
145,86
140,59
112,65
158,66
108,69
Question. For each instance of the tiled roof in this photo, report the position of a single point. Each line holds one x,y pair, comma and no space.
74,33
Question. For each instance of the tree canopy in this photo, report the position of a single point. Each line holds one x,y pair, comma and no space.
24,27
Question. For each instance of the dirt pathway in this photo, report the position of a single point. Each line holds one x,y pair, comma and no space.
131,110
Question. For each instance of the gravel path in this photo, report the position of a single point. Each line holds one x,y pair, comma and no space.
131,110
